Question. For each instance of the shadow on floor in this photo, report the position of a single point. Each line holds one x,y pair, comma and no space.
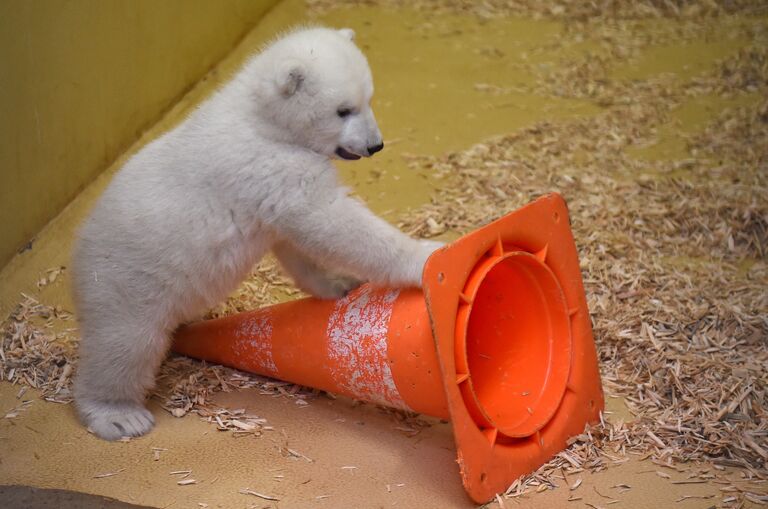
27,497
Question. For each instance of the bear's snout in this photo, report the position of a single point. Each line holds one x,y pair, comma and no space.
375,148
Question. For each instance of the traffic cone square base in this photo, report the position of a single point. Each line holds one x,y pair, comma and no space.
512,331
499,342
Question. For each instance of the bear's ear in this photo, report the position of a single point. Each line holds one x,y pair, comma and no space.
348,33
290,78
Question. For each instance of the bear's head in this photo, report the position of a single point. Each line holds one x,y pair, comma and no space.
315,90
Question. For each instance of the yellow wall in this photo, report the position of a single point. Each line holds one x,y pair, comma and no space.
80,80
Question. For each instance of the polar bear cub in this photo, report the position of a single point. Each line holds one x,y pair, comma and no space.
186,218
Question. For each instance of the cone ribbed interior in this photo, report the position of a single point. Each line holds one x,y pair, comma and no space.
514,342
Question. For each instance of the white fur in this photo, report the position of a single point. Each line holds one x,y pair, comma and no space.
186,218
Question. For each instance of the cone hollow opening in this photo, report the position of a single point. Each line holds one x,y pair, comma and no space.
515,340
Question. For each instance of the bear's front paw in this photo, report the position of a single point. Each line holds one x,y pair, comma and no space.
426,248
430,246
335,287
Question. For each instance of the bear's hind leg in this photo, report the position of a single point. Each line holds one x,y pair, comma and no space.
118,364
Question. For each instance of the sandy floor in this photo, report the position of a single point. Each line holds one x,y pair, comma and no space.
358,459
351,455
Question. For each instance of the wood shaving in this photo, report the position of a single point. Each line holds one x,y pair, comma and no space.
108,474
257,494
559,9
17,410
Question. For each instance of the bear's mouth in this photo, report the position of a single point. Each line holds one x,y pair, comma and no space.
345,154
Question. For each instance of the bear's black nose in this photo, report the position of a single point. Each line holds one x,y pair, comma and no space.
375,148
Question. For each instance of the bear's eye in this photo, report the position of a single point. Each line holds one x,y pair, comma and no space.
344,112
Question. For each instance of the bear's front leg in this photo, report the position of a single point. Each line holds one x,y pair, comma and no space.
310,277
343,235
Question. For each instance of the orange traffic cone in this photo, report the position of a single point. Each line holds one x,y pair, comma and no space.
499,342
